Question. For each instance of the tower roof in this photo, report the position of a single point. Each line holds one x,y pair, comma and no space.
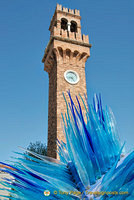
67,11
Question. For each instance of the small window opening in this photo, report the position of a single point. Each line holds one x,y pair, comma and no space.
55,23
63,24
73,26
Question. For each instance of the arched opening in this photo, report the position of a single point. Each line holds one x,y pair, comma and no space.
64,24
60,51
68,52
75,53
83,55
73,26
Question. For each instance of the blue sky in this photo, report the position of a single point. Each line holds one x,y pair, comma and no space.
24,85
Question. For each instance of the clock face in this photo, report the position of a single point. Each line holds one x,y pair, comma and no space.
71,76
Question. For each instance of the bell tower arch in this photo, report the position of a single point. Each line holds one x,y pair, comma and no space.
64,61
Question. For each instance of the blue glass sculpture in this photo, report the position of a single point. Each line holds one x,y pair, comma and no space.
91,164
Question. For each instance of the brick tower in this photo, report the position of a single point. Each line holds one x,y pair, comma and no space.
64,61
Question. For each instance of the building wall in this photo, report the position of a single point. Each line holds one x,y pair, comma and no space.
67,57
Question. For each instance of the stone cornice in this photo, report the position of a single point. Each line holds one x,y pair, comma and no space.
64,40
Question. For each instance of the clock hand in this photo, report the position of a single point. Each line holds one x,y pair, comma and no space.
71,78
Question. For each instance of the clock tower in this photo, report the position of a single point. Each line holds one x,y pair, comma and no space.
64,61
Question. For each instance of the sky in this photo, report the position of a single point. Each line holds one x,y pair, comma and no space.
24,35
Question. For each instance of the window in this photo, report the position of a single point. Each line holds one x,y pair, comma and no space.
73,26
64,24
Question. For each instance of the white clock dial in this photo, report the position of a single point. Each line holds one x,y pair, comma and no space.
71,76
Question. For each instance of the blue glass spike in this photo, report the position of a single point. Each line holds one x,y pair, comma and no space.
102,117
86,132
75,176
